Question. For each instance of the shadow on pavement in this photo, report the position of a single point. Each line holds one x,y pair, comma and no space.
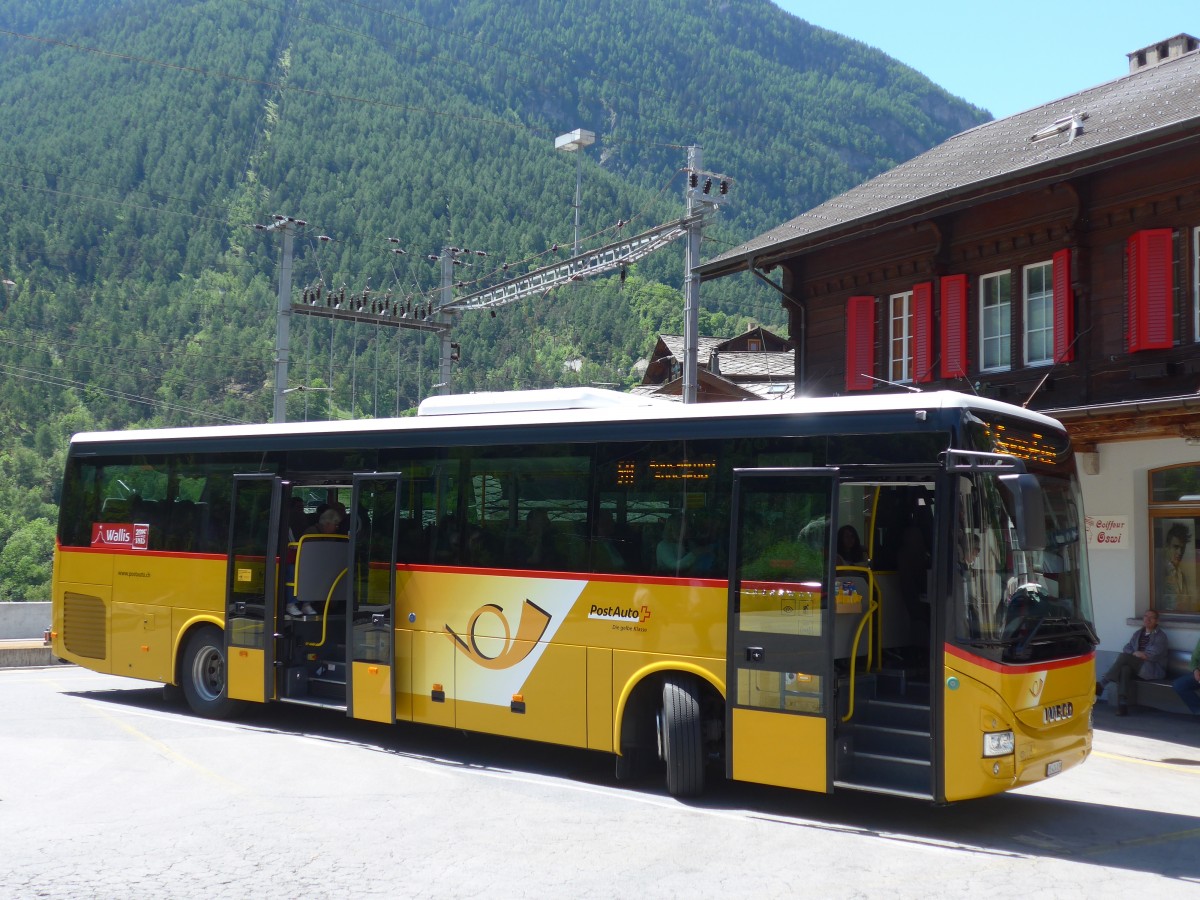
1174,728
1012,825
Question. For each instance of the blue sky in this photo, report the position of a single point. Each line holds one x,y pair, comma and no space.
1006,57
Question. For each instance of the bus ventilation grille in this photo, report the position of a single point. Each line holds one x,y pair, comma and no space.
84,625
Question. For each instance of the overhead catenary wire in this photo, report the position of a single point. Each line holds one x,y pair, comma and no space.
57,381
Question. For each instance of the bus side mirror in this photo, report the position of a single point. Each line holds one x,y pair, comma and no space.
1029,510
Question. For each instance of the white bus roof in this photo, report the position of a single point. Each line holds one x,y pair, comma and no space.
578,405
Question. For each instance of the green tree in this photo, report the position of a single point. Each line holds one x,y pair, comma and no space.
25,563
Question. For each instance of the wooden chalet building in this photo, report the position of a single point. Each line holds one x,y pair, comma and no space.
1052,260
756,365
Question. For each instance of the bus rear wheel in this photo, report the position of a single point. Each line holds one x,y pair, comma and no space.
203,676
680,738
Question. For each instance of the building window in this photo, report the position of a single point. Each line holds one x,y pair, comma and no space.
1039,314
754,345
900,337
1174,522
995,322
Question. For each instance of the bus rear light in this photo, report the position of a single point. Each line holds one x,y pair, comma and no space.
998,743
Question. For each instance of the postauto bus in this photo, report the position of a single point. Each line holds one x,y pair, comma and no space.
638,577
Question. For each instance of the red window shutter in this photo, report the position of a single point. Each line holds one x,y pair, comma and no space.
1148,264
954,326
860,343
1064,308
923,332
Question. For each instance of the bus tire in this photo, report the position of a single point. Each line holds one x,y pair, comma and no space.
680,736
204,676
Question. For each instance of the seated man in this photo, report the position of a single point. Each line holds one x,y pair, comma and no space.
1144,656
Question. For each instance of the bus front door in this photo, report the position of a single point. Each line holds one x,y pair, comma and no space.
251,587
780,708
375,510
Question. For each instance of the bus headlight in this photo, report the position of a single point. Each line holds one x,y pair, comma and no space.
998,743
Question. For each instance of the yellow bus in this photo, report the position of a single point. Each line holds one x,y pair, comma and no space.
886,593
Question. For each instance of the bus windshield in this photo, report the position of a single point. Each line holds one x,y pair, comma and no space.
1021,605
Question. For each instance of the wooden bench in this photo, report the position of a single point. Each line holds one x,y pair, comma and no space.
1158,694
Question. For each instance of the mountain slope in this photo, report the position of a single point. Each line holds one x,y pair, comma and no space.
140,141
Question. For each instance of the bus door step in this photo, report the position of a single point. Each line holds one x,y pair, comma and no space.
328,679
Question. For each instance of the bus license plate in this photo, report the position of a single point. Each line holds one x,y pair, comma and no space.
1053,768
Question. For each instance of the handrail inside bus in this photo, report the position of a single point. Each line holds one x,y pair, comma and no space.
871,607
325,611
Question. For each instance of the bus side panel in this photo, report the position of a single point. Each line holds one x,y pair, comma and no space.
83,567
599,699
990,699
403,670
547,707
782,750
244,670
433,692
182,581
80,624
142,639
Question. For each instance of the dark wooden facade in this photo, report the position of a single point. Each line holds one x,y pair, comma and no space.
1100,192
1124,159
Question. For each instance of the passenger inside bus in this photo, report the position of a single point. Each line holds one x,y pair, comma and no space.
536,547
328,522
850,550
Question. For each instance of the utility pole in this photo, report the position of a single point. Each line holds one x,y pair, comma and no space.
691,282
283,310
443,317
702,201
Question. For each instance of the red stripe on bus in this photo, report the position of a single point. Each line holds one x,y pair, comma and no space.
159,554
572,576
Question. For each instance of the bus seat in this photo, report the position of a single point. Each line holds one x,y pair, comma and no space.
321,569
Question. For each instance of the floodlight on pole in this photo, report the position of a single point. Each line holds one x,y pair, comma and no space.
571,142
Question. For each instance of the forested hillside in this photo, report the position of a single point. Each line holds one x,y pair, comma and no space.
140,141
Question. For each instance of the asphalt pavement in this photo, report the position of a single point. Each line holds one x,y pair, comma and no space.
109,791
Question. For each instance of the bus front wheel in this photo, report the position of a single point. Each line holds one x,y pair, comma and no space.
203,677
680,739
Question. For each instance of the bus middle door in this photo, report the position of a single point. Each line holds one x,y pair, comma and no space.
780,709
371,631
252,585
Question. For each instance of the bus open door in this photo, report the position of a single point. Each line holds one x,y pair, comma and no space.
374,518
251,602
780,709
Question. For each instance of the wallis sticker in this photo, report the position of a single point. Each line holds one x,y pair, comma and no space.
121,535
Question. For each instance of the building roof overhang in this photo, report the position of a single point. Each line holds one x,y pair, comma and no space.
1132,420
1139,114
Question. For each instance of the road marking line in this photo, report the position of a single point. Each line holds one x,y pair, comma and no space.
1170,837
173,755
1174,767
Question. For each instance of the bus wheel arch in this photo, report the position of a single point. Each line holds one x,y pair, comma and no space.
671,720
202,674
